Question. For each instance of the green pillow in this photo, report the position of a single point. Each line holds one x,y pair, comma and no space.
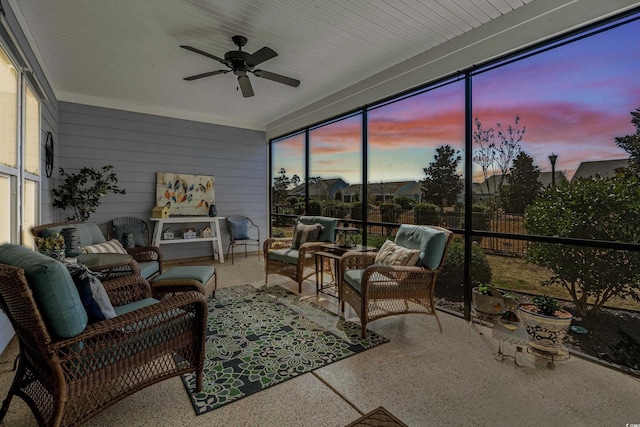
53,289
429,241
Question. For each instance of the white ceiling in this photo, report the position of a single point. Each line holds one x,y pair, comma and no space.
125,53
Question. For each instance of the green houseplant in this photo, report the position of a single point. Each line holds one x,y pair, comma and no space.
546,323
81,192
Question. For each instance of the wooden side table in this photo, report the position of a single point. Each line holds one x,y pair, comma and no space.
333,252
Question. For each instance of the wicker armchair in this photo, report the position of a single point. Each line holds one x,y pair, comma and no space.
280,258
377,291
148,257
66,381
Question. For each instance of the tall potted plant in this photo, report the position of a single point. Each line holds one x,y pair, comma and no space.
546,323
82,191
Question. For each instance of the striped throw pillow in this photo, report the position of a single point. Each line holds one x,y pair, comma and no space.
305,233
392,254
111,247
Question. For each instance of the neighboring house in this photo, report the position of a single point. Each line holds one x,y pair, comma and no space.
325,189
482,193
603,168
383,191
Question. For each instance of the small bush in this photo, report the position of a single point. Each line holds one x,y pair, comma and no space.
427,214
451,278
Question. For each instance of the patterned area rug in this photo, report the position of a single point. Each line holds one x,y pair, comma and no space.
258,339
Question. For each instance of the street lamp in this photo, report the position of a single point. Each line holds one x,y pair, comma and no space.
552,158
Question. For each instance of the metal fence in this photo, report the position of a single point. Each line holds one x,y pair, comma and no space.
384,221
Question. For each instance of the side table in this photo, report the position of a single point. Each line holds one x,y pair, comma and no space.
333,252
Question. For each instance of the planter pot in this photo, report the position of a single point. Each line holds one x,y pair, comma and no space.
487,304
546,333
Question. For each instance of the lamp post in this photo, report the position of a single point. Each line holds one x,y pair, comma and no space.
552,158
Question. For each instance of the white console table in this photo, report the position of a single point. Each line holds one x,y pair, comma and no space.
214,223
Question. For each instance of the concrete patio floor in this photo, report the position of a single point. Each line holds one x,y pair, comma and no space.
423,377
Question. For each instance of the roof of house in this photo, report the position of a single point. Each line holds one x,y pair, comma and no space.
604,168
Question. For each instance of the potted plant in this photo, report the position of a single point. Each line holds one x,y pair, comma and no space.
52,246
82,192
546,323
487,300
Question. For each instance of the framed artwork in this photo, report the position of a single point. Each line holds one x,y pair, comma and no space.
185,194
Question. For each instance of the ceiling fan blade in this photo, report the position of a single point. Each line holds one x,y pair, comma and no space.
260,56
208,55
210,73
277,78
245,86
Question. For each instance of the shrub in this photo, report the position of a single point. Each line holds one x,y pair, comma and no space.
451,278
405,202
390,212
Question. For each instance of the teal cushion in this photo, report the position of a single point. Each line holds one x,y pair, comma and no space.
289,256
201,273
53,289
429,241
354,279
128,308
89,232
328,234
148,268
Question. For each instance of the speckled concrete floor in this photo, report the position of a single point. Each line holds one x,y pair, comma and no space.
423,377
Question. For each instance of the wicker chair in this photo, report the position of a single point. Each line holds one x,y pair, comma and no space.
377,291
242,232
280,258
149,257
66,381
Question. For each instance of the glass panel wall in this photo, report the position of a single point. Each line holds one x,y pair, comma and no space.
8,112
553,137
288,188
415,168
335,168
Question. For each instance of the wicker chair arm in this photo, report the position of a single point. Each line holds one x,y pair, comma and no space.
276,243
127,289
143,328
383,276
357,260
146,253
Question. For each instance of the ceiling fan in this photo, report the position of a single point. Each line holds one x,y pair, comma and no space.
241,63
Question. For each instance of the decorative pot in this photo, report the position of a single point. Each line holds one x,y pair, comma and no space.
213,211
490,305
71,237
546,333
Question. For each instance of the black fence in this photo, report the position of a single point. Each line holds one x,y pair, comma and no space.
383,222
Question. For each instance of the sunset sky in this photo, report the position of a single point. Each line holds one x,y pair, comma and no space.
572,100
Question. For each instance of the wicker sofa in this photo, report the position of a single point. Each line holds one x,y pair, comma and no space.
148,259
69,370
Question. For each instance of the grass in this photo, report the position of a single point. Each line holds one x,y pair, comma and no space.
519,275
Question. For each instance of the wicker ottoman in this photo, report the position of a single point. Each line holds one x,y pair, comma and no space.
185,278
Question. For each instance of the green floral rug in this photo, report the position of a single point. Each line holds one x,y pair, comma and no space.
258,339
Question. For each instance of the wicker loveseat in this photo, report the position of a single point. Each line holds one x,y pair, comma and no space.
148,259
69,370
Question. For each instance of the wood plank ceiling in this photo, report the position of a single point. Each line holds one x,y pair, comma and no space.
125,54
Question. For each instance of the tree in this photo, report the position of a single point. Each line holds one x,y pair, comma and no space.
631,144
486,153
508,148
590,208
442,186
281,185
523,184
